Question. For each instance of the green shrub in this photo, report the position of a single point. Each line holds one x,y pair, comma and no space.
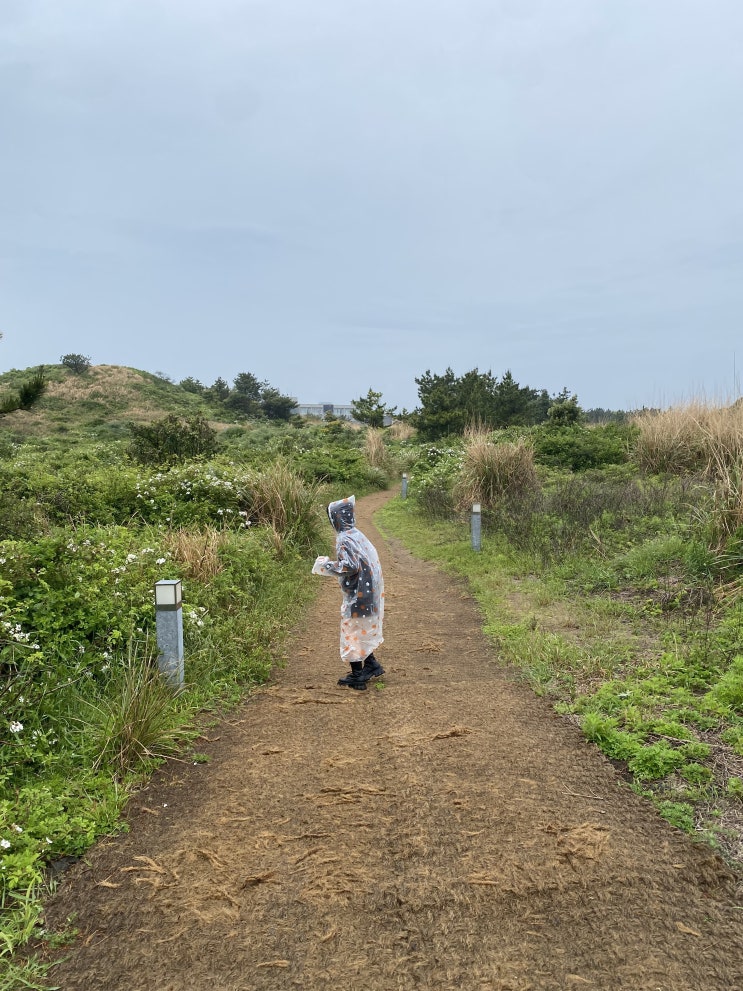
171,439
696,750
603,731
432,481
339,466
679,814
696,774
733,736
579,448
20,518
655,761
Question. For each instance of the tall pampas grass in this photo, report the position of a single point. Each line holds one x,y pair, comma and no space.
401,430
374,450
704,439
197,551
280,499
493,472
696,437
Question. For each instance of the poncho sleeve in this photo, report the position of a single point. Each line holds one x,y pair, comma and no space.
348,558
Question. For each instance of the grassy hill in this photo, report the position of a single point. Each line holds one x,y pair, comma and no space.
98,403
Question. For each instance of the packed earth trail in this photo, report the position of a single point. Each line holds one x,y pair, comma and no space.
444,829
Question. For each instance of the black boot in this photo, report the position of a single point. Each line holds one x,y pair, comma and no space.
355,679
372,668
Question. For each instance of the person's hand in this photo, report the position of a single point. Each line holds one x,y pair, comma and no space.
321,565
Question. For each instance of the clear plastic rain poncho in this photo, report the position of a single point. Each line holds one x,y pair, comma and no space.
359,574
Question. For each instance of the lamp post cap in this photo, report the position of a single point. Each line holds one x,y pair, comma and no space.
168,593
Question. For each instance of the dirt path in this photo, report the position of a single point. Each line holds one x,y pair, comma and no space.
444,831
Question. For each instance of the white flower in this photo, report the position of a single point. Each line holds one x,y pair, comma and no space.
47,839
5,844
160,560
17,828
16,727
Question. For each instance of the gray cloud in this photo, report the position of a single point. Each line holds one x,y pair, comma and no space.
277,187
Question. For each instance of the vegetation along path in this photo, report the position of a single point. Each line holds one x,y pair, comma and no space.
442,830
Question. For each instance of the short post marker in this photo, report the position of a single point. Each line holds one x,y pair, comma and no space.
404,486
476,526
169,625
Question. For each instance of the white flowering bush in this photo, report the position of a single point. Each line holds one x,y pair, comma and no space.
433,477
77,591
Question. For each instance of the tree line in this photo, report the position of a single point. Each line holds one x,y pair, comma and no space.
448,403
247,396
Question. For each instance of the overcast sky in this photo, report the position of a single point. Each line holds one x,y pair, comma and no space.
340,194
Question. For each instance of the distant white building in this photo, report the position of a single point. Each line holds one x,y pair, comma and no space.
320,409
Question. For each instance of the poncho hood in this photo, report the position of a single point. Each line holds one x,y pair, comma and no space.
341,514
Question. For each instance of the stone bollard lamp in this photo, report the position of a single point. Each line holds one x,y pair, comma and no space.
404,486
476,526
169,625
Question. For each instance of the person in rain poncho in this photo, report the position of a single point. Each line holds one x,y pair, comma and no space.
359,574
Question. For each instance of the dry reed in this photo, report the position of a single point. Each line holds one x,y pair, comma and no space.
400,430
197,551
702,438
278,498
697,437
375,451
491,472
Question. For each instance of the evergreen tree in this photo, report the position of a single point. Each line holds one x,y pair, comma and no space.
565,412
448,404
441,410
370,409
276,406
28,393
191,384
76,363
218,391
